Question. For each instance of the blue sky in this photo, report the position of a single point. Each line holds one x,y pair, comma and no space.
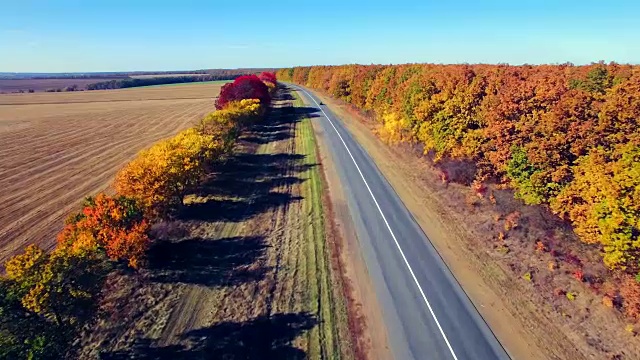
64,35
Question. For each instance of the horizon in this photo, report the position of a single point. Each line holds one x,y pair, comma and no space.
127,37
174,71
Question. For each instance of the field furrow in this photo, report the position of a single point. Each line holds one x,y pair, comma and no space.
53,155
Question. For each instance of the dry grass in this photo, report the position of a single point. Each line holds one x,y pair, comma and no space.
58,148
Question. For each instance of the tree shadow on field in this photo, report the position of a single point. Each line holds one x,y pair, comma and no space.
207,262
284,95
264,337
279,127
247,185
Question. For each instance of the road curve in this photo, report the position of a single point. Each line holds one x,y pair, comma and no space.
427,314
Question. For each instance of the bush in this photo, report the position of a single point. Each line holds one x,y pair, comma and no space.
244,87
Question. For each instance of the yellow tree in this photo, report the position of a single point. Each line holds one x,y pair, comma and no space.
159,177
59,285
603,202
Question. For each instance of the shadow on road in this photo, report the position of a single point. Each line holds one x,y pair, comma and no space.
264,337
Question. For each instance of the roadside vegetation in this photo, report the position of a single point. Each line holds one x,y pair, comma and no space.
325,297
244,269
47,298
562,137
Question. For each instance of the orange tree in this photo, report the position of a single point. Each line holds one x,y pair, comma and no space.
115,225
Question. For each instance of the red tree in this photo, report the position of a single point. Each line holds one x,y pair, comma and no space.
268,77
244,87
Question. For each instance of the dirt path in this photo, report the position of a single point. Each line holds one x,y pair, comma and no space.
246,272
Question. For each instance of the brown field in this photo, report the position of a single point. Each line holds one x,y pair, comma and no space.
13,85
163,75
57,148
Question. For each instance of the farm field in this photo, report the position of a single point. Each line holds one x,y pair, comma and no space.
221,82
150,76
60,147
191,91
12,85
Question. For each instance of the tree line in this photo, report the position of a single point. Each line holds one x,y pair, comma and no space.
46,298
564,136
137,82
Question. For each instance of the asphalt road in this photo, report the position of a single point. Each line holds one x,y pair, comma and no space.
427,314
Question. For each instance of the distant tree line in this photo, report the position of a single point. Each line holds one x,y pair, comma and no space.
128,83
125,74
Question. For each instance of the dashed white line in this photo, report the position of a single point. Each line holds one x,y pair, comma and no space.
388,227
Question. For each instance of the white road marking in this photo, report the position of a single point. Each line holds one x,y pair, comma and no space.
388,227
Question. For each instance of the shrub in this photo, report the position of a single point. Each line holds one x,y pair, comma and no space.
244,87
540,246
607,300
511,220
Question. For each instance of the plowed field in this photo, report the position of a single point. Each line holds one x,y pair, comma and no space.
57,148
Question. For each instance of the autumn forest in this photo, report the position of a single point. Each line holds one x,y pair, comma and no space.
562,136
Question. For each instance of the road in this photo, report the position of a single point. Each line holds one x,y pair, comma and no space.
427,314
